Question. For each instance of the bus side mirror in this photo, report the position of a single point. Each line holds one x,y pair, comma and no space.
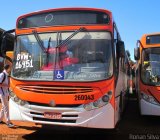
128,53
4,45
136,53
120,49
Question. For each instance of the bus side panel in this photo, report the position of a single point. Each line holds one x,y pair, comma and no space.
137,86
120,91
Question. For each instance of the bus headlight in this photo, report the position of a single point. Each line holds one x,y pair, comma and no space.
88,107
96,103
99,103
22,103
105,98
11,93
16,99
149,98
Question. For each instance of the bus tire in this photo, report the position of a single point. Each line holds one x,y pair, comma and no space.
121,106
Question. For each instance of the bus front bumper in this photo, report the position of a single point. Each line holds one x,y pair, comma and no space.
148,108
74,116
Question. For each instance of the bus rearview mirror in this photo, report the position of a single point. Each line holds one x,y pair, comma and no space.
120,49
136,53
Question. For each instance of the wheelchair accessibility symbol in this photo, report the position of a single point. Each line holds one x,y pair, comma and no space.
59,74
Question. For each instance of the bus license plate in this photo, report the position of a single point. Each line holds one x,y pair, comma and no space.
52,115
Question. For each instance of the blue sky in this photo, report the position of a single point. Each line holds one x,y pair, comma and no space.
133,17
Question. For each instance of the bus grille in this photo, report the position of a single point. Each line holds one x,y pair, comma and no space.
53,120
56,89
57,105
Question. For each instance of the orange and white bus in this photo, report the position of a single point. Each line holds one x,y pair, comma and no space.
68,68
147,55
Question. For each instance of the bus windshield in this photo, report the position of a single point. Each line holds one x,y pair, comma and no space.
87,56
151,66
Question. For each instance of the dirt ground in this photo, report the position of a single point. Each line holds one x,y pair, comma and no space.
20,128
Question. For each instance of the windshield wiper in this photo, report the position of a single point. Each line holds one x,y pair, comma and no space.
65,42
39,40
47,60
72,35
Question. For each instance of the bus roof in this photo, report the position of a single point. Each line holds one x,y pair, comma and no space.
64,16
63,9
151,40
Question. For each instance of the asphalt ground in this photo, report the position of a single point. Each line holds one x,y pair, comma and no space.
132,126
